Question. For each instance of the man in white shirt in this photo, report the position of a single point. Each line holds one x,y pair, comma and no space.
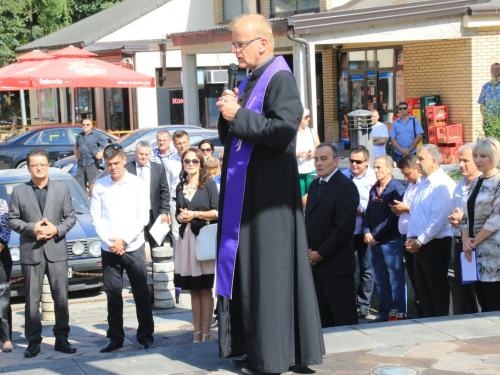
173,168
380,135
429,233
120,211
408,167
364,178
464,297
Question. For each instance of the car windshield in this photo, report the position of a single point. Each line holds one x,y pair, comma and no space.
19,136
80,202
130,139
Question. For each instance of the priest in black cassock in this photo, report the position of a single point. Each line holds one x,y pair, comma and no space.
267,302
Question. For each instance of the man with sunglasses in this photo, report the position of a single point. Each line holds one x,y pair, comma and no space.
264,277
406,133
120,211
88,151
364,178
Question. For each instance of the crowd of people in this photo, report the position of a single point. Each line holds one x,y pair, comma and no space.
282,269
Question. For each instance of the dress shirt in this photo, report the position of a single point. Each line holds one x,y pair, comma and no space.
173,167
379,130
364,183
120,210
41,195
156,157
96,142
407,199
431,207
460,196
404,133
329,176
146,170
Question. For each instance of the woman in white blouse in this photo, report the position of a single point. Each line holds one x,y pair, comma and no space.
480,224
307,141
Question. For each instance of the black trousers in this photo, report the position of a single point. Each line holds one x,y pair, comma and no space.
464,296
336,300
134,263
488,295
431,277
366,273
86,175
5,271
409,261
57,272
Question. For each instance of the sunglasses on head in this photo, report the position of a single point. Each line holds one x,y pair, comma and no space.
191,161
358,162
114,146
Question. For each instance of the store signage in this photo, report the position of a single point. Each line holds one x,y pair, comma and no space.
177,101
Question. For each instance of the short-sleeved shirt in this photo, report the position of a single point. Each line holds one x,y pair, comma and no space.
405,133
379,130
96,142
490,97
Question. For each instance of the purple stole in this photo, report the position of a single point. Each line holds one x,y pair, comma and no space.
237,165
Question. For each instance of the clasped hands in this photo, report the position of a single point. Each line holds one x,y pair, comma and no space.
228,104
185,216
314,257
455,217
44,230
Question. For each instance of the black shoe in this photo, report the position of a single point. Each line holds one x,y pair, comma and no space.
110,346
241,362
32,350
147,344
301,369
378,320
64,346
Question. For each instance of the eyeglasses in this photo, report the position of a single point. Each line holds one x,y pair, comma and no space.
239,45
191,161
39,166
114,146
358,162
206,149
402,108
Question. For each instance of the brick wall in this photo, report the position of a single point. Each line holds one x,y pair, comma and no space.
219,11
324,5
265,7
330,97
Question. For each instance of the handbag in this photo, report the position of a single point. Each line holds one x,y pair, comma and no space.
206,242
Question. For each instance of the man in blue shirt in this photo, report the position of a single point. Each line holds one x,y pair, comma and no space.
380,226
406,133
489,99
88,150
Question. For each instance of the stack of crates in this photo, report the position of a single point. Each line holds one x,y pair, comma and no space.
425,102
448,137
414,110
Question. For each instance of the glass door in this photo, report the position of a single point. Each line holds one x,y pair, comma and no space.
358,99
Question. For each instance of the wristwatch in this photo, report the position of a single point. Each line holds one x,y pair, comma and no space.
418,243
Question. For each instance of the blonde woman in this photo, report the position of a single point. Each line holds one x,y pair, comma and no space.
307,141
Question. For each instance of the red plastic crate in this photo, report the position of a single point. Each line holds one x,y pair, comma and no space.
449,134
449,155
437,112
432,133
413,104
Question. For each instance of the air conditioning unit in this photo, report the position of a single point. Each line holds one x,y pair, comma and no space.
216,76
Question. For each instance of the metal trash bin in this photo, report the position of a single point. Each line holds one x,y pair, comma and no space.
360,126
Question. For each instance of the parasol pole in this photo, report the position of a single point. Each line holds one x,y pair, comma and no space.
73,105
40,106
23,108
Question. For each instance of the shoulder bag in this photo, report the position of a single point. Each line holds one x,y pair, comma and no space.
96,161
206,242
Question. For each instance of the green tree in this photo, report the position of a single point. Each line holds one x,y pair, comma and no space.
491,112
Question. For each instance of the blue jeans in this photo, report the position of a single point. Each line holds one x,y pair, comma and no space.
389,270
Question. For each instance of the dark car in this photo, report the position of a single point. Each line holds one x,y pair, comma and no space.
58,140
129,141
84,245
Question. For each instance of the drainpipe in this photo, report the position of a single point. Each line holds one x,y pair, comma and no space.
307,46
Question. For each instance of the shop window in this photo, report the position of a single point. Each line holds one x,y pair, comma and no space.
358,92
370,58
357,60
289,7
386,96
385,58
233,8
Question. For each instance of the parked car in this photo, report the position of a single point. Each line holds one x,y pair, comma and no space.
218,146
129,141
58,140
84,245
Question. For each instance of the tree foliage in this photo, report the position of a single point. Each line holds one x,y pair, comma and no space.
22,21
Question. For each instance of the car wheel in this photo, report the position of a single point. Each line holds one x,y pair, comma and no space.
22,165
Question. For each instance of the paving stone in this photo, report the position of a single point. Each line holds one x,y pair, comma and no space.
433,371
493,341
342,339
379,360
435,350
486,370
397,351
463,326
479,349
345,356
459,362
330,367
493,360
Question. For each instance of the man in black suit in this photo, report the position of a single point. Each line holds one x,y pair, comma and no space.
41,212
331,212
156,178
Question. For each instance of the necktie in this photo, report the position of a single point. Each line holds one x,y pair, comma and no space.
322,185
141,174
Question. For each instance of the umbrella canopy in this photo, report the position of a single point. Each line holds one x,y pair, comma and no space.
66,71
72,51
23,62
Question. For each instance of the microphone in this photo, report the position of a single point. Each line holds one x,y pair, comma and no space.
232,71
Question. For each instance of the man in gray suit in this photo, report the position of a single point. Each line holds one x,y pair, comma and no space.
41,212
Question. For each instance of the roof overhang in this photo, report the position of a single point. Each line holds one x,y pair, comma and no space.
359,18
482,16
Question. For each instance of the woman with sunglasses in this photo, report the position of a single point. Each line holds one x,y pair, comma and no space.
307,141
207,147
197,204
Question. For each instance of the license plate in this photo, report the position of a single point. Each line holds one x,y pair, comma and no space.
70,272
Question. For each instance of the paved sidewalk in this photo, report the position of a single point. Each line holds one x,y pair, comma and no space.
468,344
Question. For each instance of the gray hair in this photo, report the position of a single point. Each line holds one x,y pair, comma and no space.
332,147
143,143
433,151
466,146
163,132
388,160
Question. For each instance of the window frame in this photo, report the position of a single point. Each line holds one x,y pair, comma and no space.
274,14
225,19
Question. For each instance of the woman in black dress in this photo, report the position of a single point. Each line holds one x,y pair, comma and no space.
5,270
197,204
